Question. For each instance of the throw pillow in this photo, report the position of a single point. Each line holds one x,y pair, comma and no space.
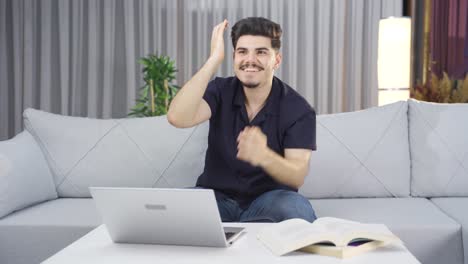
129,152
361,154
25,178
439,149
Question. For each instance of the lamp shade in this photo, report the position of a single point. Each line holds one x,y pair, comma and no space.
394,51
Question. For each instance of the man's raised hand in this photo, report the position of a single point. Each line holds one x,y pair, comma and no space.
217,41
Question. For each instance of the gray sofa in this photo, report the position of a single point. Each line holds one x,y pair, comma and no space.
403,164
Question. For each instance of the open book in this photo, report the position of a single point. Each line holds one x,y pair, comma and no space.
326,236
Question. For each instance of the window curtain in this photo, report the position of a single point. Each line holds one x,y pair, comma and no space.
79,57
448,37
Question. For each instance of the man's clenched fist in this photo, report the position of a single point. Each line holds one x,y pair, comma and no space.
252,145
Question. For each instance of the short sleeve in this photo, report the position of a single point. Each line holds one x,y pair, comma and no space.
302,133
212,96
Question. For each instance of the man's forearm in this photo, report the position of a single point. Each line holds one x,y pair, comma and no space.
184,106
284,171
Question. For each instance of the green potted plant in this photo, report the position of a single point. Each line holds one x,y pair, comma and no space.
157,93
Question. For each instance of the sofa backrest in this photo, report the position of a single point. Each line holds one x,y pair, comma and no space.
132,152
361,154
439,149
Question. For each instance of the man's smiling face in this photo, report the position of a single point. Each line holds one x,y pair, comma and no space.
255,60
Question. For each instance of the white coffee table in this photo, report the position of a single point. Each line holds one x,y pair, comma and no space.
97,247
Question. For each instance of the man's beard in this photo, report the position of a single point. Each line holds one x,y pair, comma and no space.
251,85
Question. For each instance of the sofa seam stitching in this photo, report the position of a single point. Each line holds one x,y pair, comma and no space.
368,155
148,160
175,156
67,175
460,163
44,146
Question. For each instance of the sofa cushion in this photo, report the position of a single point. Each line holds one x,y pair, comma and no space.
361,154
25,178
429,234
132,152
45,229
439,149
456,209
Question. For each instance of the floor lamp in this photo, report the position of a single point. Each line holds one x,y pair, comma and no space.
394,51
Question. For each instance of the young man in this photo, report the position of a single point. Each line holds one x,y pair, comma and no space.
261,133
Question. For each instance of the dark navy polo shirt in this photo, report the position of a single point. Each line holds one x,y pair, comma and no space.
287,120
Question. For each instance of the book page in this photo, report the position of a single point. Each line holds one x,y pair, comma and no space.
348,231
294,234
289,235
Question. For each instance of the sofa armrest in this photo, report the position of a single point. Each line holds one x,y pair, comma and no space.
25,178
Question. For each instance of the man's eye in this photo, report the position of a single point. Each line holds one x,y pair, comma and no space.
241,51
261,52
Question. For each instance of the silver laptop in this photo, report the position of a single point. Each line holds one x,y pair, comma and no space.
163,216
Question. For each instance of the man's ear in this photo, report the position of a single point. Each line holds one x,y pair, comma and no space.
278,59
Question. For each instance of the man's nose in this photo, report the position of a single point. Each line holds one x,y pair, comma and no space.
251,57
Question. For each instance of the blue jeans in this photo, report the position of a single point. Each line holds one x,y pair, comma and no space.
272,206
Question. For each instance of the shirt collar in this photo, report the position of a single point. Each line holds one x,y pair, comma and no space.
272,104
